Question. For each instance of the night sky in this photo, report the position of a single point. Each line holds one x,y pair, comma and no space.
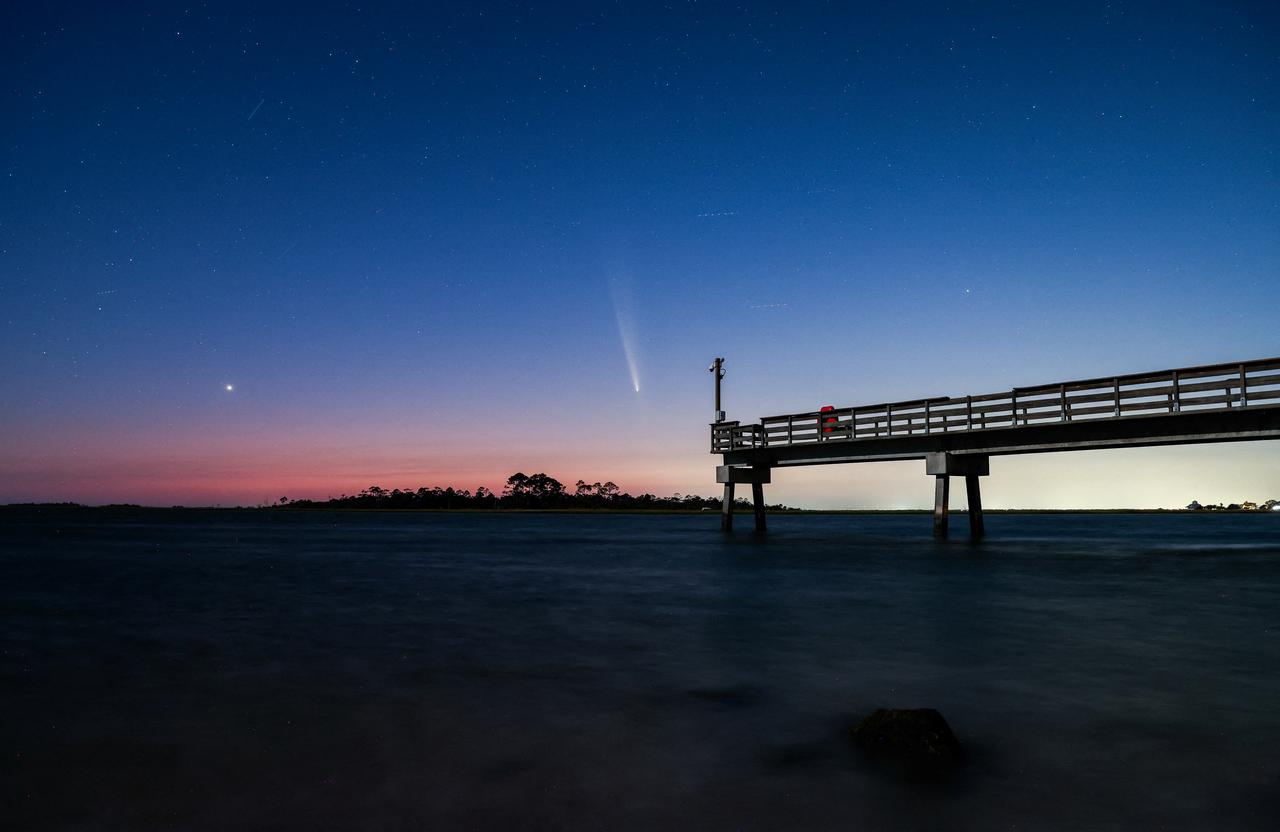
255,251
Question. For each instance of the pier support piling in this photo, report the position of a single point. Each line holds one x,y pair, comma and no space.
943,466
756,476
757,501
726,509
941,492
974,492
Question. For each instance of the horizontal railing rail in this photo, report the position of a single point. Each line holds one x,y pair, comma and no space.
1189,389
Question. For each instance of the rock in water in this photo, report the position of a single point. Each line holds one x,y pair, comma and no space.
917,742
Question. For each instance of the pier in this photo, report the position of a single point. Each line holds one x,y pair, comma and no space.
957,436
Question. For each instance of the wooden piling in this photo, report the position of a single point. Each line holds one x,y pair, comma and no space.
726,509
757,500
974,492
941,492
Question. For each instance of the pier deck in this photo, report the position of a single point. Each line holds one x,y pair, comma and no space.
1238,401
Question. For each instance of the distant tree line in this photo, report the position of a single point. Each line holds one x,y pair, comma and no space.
1247,505
523,491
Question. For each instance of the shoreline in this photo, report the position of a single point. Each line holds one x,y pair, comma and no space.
76,507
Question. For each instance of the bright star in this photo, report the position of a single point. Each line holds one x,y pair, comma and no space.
230,387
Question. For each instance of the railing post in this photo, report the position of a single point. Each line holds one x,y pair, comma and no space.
888,420
1117,388
927,417
1176,398
790,429
1062,395
1244,388
1013,408
968,412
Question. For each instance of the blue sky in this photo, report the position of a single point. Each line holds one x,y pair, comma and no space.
409,237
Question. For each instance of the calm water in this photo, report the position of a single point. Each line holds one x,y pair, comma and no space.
208,670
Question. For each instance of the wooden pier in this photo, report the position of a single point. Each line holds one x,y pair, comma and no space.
1232,402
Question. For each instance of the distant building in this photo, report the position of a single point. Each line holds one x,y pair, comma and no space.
1195,506
1248,505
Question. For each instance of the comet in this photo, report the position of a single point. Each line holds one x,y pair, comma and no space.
626,331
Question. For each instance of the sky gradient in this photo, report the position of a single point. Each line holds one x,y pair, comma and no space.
436,246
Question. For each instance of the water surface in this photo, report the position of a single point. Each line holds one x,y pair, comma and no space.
239,669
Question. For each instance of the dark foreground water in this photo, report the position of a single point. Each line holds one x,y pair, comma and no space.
242,670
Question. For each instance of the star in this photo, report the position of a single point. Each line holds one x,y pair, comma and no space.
230,387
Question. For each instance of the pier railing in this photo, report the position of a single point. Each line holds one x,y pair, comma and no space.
1208,387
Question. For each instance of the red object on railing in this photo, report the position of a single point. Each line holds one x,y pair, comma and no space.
827,420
